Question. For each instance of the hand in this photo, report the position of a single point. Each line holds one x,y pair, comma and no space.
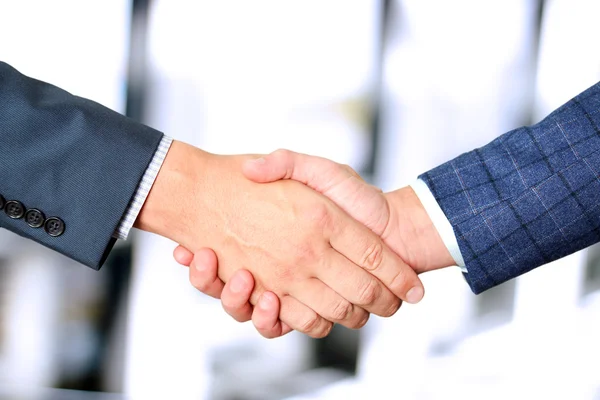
398,216
317,260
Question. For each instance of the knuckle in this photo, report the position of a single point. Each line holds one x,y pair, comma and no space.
369,292
305,255
322,332
359,323
341,310
351,172
398,282
318,215
310,325
284,274
392,308
363,321
376,189
373,257
349,169
282,153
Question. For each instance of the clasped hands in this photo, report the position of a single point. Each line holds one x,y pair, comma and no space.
291,241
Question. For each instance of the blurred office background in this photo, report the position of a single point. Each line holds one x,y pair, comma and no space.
391,87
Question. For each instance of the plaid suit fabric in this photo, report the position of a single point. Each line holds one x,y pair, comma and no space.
529,197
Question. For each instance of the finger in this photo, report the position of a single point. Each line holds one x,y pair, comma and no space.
236,295
266,317
301,318
203,273
357,286
183,256
329,304
318,173
367,250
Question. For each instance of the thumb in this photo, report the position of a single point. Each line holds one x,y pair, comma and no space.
318,173
272,167
183,256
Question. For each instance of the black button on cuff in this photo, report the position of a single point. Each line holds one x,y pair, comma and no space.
54,226
2,202
14,209
35,218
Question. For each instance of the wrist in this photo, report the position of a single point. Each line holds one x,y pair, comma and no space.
182,172
411,232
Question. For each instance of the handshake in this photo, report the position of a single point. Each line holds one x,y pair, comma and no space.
291,241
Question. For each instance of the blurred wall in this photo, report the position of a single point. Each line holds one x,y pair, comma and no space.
240,77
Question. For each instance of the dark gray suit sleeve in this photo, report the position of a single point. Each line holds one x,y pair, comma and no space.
69,158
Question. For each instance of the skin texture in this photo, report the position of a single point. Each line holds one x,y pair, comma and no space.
323,266
398,217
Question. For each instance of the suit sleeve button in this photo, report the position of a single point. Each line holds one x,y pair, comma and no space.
14,209
2,202
54,226
34,218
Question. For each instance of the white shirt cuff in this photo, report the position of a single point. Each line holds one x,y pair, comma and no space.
440,221
139,198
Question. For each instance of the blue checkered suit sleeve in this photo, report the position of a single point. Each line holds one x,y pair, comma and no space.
529,197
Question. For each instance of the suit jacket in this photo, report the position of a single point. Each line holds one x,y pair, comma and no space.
68,166
529,197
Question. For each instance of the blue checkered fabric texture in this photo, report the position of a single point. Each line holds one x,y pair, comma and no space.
529,197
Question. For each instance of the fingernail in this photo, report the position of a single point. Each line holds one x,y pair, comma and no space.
414,295
258,161
200,267
237,285
265,301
